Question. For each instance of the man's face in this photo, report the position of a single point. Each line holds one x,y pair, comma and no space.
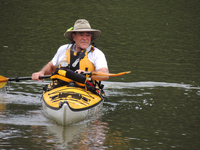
82,39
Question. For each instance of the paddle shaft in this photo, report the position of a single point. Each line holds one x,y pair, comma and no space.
4,80
17,79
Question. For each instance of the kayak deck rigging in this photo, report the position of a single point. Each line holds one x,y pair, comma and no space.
77,98
70,103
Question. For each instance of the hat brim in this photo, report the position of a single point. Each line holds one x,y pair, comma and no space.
96,33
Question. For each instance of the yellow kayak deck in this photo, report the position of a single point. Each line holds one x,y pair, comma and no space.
77,98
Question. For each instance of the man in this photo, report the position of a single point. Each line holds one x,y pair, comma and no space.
81,36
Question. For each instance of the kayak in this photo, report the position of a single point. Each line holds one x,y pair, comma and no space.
69,104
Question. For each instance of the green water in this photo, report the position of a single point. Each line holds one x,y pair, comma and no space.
154,107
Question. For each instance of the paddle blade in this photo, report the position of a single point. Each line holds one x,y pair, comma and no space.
110,74
2,84
3,81
119,74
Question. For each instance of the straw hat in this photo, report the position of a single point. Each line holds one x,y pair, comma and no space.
82,25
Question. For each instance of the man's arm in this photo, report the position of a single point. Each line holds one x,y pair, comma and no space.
96,77
100,78
48,69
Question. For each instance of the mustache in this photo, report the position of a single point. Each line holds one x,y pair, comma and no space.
84,41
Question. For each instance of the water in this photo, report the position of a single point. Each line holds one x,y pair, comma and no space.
154,107
137,115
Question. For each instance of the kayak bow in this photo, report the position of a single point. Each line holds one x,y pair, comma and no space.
67,104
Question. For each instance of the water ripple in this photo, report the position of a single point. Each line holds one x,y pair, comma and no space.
148,84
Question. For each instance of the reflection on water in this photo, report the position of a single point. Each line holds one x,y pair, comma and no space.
24,137
139,115
83,135
155,115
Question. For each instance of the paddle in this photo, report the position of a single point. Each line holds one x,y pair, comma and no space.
4,80
107,74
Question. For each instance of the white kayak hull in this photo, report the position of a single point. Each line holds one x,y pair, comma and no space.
65,115
67,105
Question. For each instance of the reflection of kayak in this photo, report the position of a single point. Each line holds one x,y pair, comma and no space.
65,134
66,104
79,135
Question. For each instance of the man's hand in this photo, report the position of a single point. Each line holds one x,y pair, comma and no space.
46,70
80,71
36,75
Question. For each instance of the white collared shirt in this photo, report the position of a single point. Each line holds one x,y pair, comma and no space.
97,57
